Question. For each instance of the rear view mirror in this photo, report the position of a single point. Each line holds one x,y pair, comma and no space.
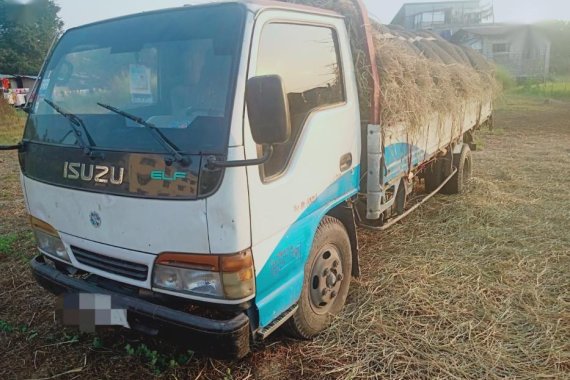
64,72
268,110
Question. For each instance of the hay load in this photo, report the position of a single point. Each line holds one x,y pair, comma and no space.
421,74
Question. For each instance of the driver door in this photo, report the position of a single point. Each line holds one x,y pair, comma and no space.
318,167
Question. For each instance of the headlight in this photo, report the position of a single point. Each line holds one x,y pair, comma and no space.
48,240
224,277
188,280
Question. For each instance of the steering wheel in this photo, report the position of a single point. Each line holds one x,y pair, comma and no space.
193,112
190,113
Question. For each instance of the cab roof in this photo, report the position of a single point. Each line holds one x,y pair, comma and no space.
255,6
260,5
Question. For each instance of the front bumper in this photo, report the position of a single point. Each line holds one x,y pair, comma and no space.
225,339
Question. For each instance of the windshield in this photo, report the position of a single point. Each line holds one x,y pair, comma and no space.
175,69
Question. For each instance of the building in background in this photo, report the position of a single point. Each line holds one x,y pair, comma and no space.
15,88
521,49
444,17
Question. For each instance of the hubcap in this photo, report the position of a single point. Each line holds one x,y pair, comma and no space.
326,279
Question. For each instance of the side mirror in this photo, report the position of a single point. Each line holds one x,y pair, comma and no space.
268,110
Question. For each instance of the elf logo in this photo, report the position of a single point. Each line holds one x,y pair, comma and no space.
160,175
98,173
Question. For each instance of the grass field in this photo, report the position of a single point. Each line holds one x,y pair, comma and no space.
555,89
474,286
11,124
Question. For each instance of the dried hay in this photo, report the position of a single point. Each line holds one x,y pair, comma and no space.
421,74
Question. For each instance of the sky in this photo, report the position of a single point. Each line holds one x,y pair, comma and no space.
79,12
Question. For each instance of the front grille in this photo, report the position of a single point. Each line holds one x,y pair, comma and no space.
109,264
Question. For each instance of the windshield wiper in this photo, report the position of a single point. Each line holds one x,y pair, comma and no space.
78,127
158,135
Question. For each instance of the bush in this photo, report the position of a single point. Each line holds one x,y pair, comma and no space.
504,78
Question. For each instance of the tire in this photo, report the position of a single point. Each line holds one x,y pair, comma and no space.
315,310
464,164
434,176
400,201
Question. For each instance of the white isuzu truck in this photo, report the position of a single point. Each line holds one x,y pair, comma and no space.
205,169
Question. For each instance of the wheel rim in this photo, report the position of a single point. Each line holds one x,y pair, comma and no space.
326,279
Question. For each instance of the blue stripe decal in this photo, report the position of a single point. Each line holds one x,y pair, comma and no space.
280,282
397,156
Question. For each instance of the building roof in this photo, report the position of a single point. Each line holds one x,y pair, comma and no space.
445,2
502,31
14,76
493,29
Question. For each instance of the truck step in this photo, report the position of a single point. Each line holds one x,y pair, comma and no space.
278,322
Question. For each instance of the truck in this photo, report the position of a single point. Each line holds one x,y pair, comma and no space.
206,176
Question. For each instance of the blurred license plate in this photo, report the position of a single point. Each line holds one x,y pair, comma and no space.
87,311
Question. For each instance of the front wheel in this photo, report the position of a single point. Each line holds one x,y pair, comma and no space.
326,282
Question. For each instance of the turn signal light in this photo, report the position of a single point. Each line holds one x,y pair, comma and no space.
49,242
38,224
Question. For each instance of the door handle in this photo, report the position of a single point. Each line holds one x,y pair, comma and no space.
346,162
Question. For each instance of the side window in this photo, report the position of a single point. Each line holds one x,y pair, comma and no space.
307,59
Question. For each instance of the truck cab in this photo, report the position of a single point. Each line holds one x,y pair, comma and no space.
196,166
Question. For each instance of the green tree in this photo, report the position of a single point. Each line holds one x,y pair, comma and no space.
27,30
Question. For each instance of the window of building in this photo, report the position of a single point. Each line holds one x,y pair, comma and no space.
426,19
437,17
307,59
501,48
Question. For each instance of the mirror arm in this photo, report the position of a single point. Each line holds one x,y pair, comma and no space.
213,162
27,109
18,146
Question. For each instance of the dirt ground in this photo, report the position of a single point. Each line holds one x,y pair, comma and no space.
474,286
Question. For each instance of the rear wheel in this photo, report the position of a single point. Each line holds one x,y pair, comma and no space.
464,164
326,282
434,175
401,198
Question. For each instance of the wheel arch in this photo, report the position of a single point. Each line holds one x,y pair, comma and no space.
344,212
